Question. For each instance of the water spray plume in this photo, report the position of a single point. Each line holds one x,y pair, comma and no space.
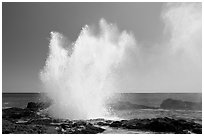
76,75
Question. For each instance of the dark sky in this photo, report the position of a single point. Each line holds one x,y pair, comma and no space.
27,26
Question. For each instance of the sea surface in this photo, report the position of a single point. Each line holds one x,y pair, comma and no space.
147,99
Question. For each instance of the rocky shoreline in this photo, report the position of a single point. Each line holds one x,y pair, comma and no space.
29,120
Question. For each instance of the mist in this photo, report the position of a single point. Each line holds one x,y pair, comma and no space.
174,64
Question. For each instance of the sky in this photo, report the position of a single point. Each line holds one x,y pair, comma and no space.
166,56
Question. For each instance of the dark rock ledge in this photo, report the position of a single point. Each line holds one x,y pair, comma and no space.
159,125
28,120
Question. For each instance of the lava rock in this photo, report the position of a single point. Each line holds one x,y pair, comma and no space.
197,130
116,124
40,121
9,127
16,113
101,123
90,129
37,106
160,125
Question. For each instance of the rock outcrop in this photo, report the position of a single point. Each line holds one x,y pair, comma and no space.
159,125
28,121
37,106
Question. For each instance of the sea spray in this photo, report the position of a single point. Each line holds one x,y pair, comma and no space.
78,77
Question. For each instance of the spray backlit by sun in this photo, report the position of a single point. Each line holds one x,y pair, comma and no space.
78,76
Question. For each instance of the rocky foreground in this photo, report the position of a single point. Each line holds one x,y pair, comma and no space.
29,120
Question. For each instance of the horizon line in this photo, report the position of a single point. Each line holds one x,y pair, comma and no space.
113,92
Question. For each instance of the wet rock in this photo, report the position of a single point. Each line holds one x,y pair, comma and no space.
197,130
161,126
165,125
22,122
37,106
88,129
116,124
40,121
97,119
9,127
101,123
78,128
133,124
32,106
16,113
79,123
51,130
17,120
186,132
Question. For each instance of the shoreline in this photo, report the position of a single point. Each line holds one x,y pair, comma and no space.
30,120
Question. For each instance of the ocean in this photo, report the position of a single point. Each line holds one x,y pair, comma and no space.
20,99
147,99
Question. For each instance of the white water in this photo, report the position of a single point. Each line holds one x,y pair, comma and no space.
78,77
